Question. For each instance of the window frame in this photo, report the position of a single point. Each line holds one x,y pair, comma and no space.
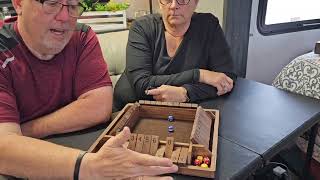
282,28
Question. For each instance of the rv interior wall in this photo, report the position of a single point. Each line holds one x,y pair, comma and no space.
211,6
267,55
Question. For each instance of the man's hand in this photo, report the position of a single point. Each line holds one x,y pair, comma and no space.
168,93
113,161
222,82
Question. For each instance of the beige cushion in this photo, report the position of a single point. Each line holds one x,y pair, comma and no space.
113,45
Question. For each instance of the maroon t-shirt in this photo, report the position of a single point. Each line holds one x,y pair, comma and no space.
31,88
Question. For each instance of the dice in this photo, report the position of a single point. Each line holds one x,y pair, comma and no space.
197,162
171,129
206,160
204,165
200,158
170,118
202,161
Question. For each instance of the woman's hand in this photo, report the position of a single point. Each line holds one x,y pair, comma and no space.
222,82
113,161
169,93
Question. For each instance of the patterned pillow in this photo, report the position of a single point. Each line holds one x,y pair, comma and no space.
301,76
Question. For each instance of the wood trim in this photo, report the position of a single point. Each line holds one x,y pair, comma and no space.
162,112
110,126
215,138
193,149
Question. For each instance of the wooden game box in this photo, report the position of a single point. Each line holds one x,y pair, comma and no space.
195,133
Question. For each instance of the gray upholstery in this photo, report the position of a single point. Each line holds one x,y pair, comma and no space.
3,178
113,45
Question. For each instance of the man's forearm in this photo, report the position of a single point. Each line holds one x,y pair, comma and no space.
35,159
80,114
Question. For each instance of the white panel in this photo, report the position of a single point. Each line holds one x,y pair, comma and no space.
267,55
211,6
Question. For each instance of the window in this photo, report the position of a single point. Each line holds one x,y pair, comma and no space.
283,16
7,3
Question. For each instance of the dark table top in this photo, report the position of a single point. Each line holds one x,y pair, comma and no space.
256,121
233,161
263,118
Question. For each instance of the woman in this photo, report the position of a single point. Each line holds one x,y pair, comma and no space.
179,56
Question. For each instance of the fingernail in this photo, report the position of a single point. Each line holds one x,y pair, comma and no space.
176,168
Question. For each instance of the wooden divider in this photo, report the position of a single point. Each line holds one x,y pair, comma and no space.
201,128
159,112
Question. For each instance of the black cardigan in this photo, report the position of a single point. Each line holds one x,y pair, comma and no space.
148,64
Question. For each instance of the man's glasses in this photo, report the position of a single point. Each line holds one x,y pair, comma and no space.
180,2
54,7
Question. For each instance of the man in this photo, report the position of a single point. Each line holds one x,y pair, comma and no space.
53,80
178,56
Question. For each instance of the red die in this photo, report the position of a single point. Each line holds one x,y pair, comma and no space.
206,160
197,162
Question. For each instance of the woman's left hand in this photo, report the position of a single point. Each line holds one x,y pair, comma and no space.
168,93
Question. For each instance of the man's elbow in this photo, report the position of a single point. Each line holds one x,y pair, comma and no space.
102,109
104,113
99,102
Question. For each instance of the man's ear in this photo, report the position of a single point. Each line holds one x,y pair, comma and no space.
17,4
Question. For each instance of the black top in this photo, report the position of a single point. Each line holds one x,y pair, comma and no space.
148,63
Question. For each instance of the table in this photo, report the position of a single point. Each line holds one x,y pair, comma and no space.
234,161
263,118
256,122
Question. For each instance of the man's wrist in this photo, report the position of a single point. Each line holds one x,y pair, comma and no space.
85,168
77,166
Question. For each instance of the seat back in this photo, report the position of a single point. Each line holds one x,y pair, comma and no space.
113,45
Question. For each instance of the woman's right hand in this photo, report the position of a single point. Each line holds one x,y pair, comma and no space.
222,82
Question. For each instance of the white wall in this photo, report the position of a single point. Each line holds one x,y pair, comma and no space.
267,55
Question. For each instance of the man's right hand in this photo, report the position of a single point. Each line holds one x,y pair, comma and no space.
113,161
